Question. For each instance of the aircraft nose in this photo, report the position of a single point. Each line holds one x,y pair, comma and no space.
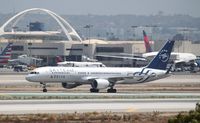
29,78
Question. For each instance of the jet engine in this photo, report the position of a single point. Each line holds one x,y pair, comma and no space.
100,83
70,85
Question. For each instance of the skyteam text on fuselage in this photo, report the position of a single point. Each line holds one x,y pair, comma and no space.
104,77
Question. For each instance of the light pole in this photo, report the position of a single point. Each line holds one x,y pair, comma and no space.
14,29
185,33
88,27
134,27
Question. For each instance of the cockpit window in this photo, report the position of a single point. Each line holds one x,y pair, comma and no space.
34,72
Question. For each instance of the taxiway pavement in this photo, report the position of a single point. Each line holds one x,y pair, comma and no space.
141,101
96,105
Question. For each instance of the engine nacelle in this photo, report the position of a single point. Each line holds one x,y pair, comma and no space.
70,85
100,83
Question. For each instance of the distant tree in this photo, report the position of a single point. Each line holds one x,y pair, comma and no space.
192,117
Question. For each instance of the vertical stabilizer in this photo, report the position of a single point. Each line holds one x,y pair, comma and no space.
146,42
6,53
160,61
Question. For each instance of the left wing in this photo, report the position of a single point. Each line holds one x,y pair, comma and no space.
124,57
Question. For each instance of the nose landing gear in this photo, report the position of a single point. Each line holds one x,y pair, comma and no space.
44,87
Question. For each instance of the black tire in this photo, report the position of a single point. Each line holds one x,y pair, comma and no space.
44,90
111,90
92,90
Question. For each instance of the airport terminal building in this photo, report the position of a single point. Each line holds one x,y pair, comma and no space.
74,50
93,48
40,43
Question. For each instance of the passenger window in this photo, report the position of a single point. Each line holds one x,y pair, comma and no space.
34,72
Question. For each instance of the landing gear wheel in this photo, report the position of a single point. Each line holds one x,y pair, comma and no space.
44,90
111,90
44,87
92,90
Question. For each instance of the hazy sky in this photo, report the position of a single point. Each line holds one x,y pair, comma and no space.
106,7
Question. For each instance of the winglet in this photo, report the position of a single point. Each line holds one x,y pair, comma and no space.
146,42
160,61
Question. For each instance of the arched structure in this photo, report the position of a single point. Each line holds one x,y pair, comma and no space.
65,26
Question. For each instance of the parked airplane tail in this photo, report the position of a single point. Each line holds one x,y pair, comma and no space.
160,61
6,53
146,42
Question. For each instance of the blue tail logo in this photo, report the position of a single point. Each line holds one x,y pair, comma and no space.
160,61
164,56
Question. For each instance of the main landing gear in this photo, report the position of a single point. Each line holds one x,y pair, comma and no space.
94,90
111,90
44,87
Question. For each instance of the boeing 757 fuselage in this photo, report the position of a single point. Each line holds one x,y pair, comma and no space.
104,77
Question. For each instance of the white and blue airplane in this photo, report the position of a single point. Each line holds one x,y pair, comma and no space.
104,77
179,59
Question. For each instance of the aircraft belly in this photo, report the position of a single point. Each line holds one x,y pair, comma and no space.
73,78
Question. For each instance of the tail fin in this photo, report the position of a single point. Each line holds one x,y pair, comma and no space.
160,61
146,42
6,53
58,59
7,50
